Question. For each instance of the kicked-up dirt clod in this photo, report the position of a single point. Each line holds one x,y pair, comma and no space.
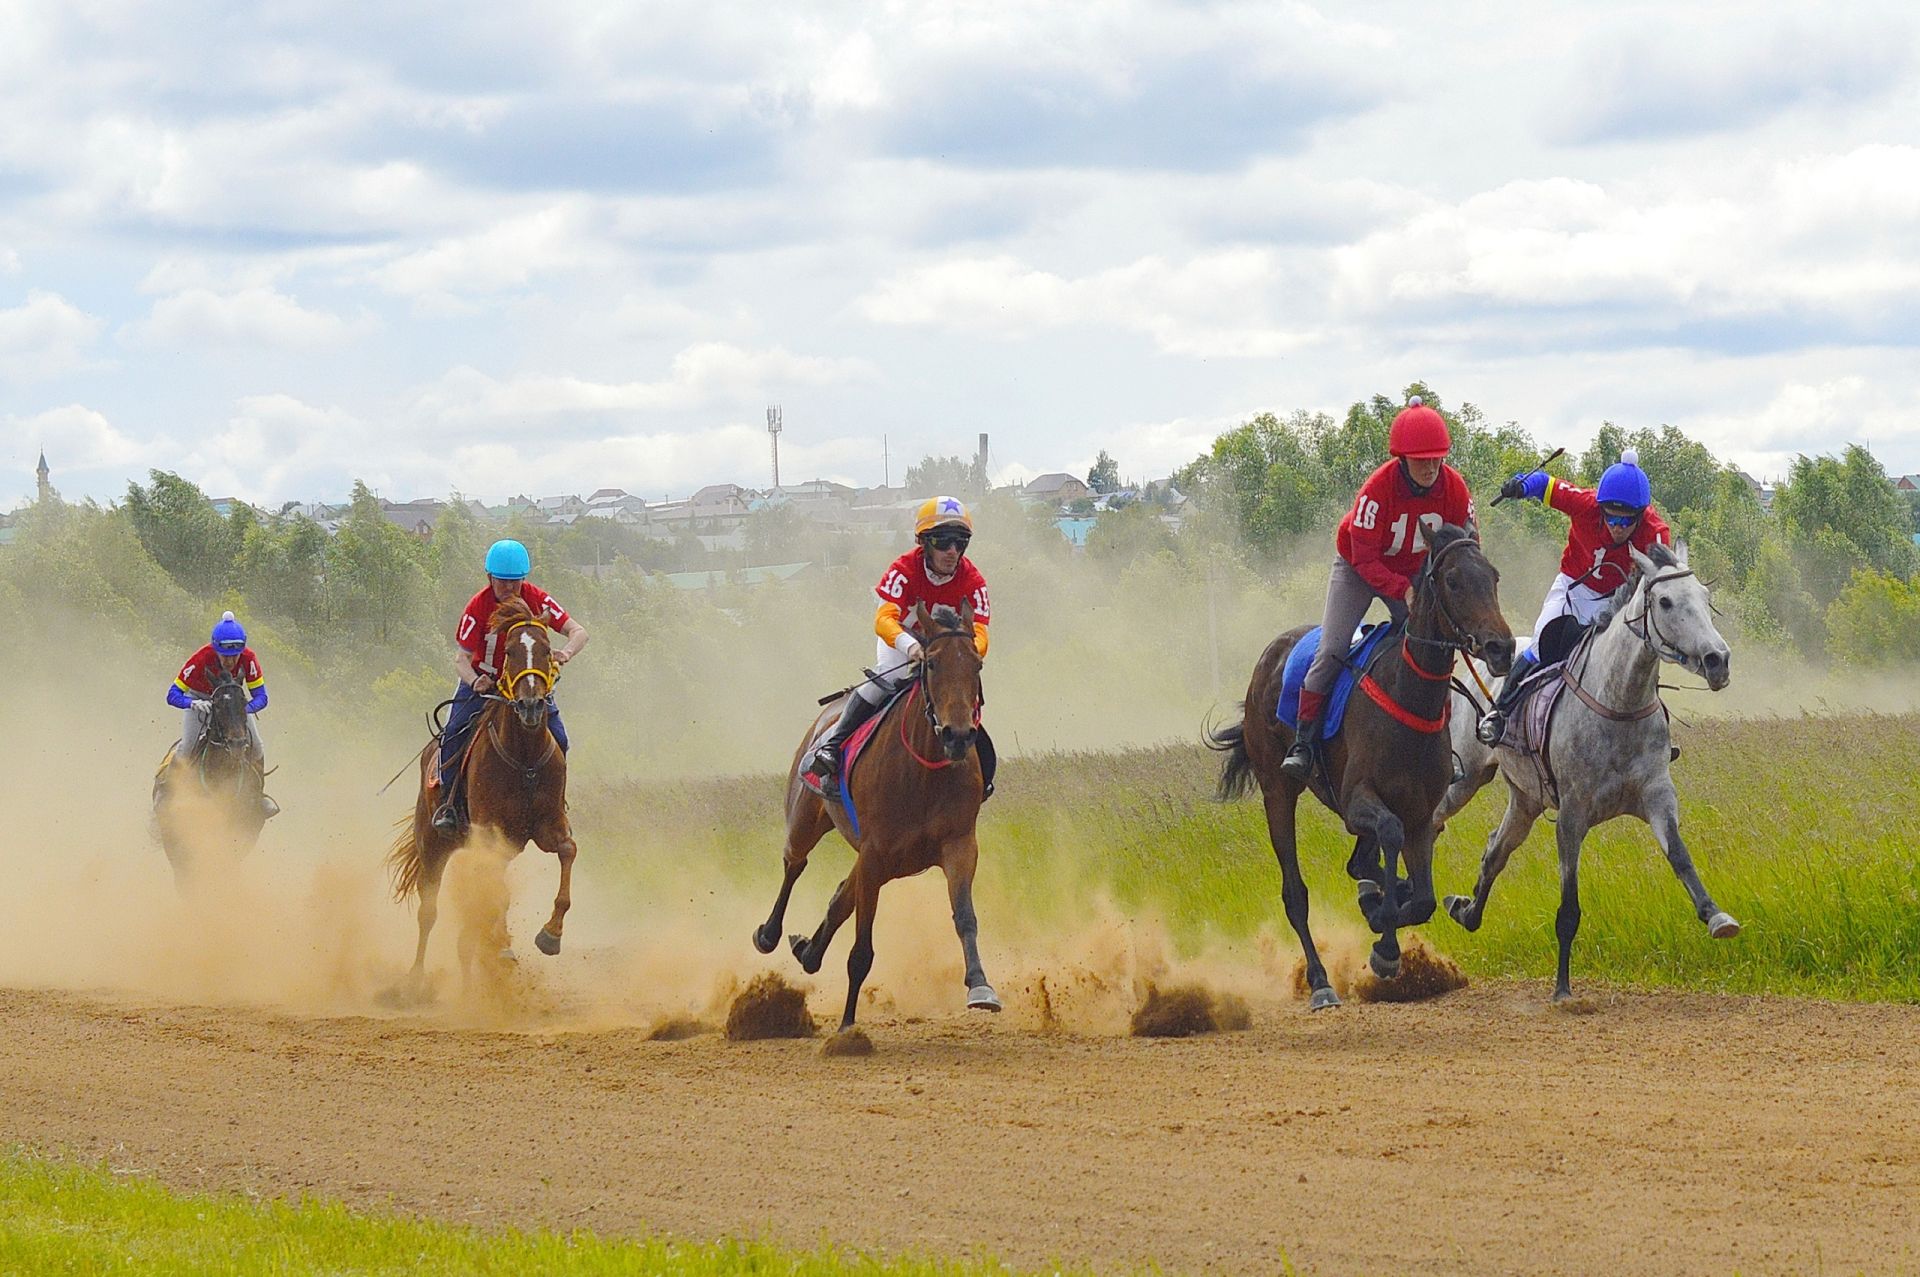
769,1007
1182,1011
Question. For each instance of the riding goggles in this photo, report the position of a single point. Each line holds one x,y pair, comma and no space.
946,540
1619,518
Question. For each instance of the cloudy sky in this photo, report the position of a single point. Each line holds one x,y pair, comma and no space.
553,246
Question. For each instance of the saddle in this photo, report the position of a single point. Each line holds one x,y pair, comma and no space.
856,748
1367,641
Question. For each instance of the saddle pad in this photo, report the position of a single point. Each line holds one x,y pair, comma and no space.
856,746
1528,721
1366,641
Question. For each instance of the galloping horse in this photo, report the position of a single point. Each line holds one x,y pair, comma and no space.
1387,769
916,794
515,777
209,804
1607,752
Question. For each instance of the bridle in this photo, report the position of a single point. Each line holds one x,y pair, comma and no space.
1649,624
1463,640
546,674
924,685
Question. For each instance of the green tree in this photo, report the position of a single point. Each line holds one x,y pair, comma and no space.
378,571
1122,536
947,476
1105,475
182,531
1875,620
1684,474
282,568
1842,513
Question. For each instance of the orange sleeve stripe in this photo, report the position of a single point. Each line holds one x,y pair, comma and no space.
886,622
980,638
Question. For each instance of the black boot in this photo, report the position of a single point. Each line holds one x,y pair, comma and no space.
1298,764
825,767
1494,724
446,818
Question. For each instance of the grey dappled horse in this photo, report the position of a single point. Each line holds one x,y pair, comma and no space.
1608,762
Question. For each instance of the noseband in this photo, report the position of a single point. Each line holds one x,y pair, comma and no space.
1649,625
925,678
1463,641
545,675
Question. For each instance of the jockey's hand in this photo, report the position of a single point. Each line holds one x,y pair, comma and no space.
916,653
562,656
1515,488
483,684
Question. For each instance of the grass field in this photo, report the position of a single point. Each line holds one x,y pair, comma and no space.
1806,829
60,1218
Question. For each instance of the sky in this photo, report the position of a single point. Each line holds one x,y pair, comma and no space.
551,247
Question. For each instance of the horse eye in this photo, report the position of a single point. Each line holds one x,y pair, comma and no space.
1665,604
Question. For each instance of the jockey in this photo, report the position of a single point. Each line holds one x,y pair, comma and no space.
508,564
192,692
1602,523
1381,544
937,572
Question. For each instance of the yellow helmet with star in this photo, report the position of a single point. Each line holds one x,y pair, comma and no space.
941,512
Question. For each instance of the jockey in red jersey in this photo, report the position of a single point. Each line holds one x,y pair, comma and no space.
1602,523
937,572
508,565
226,656
1381,545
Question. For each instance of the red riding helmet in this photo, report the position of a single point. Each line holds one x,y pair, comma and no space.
1419,432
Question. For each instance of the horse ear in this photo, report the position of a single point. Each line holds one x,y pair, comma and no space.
966,615
1680,552
920,621
1646,565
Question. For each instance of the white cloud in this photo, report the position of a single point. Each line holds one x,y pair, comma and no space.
1213,305
506,255
45,337
252,317
76,437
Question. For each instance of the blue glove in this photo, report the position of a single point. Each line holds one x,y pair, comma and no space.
177,698
1532,485
259,701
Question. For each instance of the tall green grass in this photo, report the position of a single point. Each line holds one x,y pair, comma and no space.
60,1218
1806,829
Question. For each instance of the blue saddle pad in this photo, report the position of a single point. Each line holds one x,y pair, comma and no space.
1295,674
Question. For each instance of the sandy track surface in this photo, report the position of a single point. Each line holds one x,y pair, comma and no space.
1664,1133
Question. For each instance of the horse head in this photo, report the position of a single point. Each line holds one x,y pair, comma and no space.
949,675
1460,590
1671,609
526,661
227,712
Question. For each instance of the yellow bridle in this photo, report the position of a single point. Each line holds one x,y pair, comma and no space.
546,675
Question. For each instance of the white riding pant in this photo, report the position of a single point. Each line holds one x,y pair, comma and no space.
193,724
1565,598
887,661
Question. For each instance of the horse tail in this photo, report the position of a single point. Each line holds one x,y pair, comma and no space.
403,861
1236,770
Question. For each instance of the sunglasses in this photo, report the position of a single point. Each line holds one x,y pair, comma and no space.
947,541
1621,520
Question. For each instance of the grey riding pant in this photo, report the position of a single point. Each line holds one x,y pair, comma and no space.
1348,598
193,725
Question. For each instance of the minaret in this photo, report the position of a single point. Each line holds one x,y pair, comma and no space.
41,473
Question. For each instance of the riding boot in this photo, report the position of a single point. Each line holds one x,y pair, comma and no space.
1494,724
825,766
1298,764
268,808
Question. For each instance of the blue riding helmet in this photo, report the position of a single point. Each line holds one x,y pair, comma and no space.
509,561
1625,484
229,636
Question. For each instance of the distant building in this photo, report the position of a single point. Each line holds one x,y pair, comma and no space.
713,580
1056,489
43,479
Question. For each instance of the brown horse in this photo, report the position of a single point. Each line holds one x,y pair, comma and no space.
515,775
207,795
917,793
1389,767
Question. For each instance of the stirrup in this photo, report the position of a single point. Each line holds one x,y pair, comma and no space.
446,820
270,807
1492,725
1298,764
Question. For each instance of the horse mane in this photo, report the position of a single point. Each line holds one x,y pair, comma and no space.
947,617
1662,556
510,611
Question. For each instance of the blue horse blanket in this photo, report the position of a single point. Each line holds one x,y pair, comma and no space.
1366,641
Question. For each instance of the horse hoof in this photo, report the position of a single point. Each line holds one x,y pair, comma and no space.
981,997
508,955
764,940
546,942
1368,890
1562,995
1722,926
1323,998
1385,968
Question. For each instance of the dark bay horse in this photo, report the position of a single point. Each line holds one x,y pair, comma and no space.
515,775
209,790
1388,769
917,793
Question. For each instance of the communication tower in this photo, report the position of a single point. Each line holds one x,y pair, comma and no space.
773,434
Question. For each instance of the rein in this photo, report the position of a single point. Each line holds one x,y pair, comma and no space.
1462,642
920,685
1648,633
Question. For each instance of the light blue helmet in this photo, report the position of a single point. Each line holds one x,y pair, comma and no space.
1625,483
509,561
229,636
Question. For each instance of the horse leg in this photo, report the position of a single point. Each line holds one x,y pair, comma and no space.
812,952
1663,814
1572,831
1417,903
1293,893
860,957
547,940
959,868
1513,830
427,911
805,829
1370,814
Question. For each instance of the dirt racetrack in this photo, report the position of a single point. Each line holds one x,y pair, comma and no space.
1486,1132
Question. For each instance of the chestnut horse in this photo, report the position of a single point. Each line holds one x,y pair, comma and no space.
917,794
515,777
1387,770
